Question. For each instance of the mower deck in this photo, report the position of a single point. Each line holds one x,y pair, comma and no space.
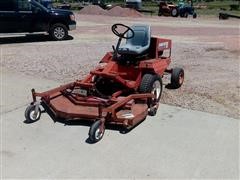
126,111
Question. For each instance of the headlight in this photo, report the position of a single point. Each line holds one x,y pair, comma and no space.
72,17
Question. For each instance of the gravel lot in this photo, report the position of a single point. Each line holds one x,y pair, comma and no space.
207,49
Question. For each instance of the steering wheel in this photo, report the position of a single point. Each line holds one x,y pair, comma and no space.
122,35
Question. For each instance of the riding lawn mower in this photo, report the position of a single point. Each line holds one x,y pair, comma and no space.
124,88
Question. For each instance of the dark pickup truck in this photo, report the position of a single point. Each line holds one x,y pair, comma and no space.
28,16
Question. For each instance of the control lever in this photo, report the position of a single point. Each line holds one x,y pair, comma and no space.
113,47
114,53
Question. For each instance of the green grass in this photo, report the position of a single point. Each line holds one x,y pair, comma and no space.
220,4
152,6
213,8
215,12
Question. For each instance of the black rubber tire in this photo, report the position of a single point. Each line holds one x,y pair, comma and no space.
175,78
194,15
174,12
152,111
146,86
28,114
92,132
62,28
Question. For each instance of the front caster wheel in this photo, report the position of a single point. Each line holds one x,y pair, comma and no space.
96,131
152,111
32,113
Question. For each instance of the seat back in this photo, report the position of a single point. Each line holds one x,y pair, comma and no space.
140,42
141,37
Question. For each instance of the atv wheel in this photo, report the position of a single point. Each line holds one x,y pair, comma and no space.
177,78
32,114
195,15
58,32
186,14
152,84
174,12
96,132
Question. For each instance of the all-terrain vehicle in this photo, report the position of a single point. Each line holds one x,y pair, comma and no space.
183,9
124,88
186,8
167,9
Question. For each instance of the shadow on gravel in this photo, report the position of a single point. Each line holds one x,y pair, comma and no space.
169,86
29,39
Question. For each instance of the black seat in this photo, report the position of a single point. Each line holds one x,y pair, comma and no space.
139,44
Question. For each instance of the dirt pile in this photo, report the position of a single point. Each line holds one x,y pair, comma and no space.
94,10
124,12
115,11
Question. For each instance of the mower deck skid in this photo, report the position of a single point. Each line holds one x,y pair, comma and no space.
64,102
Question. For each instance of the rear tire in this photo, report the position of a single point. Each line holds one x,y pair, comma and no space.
194,15
160,13
177,78
152,84
58,31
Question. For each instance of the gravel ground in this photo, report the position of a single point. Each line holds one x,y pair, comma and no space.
206,49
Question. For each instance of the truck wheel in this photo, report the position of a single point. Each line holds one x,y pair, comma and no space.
174,12
177,78
31,114
95,132
152,84
58,31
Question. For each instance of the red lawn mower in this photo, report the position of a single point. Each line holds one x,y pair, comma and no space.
122,90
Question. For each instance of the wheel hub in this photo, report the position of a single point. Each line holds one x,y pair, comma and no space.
181,78
174,12
156,90
34,115
59,32
98,134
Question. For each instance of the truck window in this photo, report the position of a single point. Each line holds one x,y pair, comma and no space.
9,5
36,6
24,5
